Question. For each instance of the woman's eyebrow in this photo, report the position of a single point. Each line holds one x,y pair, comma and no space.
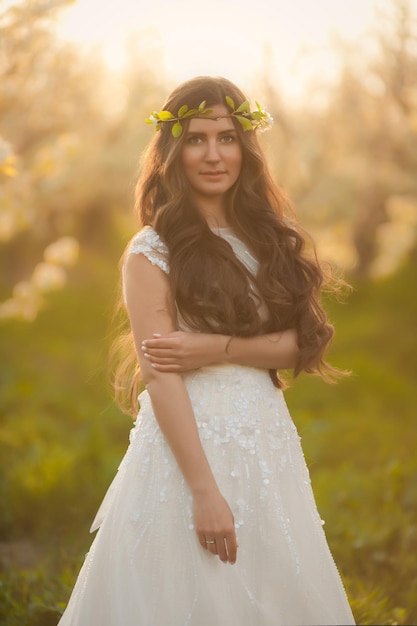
226,131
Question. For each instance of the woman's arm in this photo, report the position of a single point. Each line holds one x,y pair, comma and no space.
181,351
150,307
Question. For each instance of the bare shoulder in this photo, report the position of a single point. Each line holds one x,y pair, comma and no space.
144,281
145,275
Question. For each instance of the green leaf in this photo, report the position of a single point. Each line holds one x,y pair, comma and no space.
165,115
243,107
230,102
202,106
148,120
190,113
177,130
244,122
183,110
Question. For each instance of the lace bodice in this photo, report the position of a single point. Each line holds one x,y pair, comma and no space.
148,242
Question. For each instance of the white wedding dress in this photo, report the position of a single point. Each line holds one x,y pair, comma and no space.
146,566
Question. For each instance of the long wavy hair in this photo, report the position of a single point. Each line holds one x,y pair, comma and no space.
211,288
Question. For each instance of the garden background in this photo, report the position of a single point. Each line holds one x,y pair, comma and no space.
71,132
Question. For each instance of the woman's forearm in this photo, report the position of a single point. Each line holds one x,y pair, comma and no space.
174,413
182,351
271,351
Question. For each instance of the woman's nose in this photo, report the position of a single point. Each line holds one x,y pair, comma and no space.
212,153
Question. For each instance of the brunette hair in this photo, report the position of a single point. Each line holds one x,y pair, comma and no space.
211,288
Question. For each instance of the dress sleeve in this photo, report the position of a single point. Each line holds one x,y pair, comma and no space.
148,243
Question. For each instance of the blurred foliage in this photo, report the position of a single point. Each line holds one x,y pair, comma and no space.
348,153
70,136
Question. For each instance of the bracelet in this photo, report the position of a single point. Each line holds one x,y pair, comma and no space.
226,349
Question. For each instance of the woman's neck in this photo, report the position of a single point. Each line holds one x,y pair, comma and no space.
214,212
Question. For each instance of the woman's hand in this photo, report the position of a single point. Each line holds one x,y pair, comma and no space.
214,525
182,351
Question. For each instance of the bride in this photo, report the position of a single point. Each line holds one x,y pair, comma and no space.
211,520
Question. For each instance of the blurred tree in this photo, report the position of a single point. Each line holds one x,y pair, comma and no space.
369,143
70,134
391,139
26,64
51,112
349,158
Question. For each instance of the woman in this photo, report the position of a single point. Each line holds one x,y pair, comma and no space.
211,520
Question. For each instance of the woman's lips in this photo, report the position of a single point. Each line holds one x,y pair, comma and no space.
214,174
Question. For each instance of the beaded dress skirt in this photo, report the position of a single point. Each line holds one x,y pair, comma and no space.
146,566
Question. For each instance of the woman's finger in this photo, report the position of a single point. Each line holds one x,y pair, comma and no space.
222,549
163,361
211,545
161,358
166,354
156,351
168,368
230,542
165,344
208,544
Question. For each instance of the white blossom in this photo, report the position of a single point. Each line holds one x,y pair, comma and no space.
23,290
64,251
47,277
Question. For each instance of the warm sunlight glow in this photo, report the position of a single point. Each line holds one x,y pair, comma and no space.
290,42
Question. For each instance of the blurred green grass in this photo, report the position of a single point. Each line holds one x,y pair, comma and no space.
62,438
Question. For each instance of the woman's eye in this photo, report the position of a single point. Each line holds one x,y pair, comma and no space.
227,139
193,140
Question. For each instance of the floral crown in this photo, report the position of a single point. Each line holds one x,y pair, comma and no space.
258,119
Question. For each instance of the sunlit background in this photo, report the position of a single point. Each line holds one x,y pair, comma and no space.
77,80
293,41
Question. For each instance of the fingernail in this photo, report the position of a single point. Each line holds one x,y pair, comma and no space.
157,335
143,347
146,354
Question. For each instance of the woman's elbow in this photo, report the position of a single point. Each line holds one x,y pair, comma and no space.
293,350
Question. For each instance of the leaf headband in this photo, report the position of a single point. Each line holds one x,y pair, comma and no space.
247,119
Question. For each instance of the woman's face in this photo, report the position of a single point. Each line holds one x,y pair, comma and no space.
211,155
